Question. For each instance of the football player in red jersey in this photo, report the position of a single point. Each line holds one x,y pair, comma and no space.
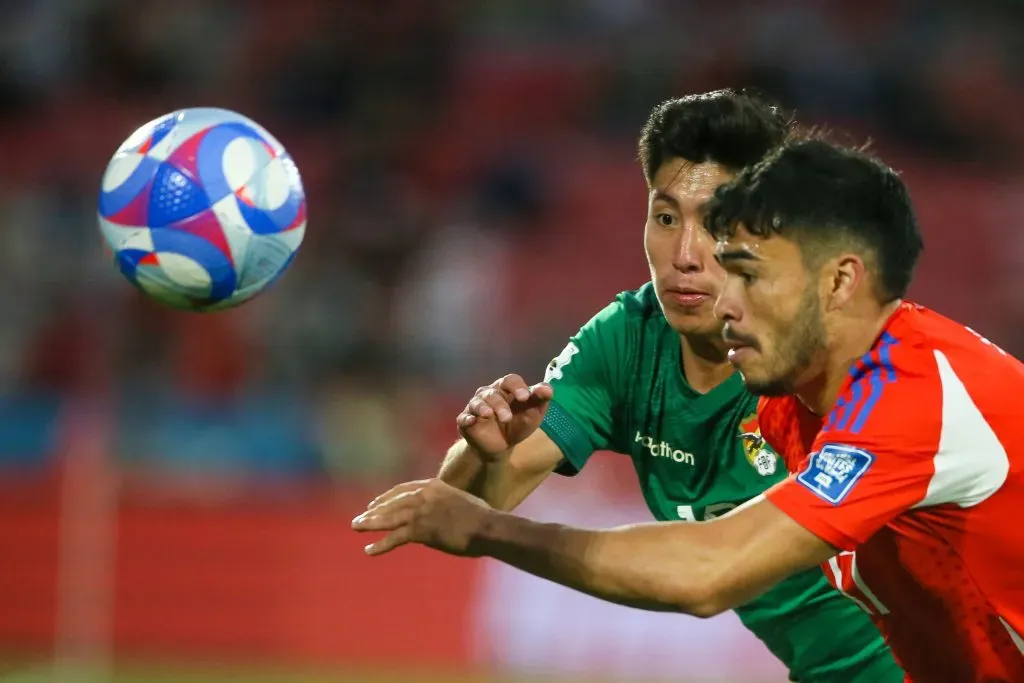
906,447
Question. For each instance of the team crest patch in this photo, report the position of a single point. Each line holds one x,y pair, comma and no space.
554,369
759,455
832,472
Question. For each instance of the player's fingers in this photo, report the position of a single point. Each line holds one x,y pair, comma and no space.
515,386
479,407
387,495
540,394
396,538
395,492
398,500
498,402
465,420
385,518
542,391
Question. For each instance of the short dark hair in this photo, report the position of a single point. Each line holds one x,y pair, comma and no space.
728,127
824,194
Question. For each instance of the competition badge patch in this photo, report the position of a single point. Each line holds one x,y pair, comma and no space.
832,472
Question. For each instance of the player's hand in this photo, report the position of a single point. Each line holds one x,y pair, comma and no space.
503,413
429,512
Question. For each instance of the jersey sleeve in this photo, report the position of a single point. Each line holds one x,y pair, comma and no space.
873,459
585,377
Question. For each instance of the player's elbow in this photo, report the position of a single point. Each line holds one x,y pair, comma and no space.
707,609
706,603
701,598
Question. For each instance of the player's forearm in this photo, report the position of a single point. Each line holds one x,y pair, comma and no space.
491,479
648,566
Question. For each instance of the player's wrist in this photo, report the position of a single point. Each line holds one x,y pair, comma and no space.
489,457
492,531
505,536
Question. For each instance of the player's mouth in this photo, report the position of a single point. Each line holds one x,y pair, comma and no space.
737,354
687,297
740,346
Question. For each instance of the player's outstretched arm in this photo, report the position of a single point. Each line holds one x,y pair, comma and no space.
502,455
505,482
696,568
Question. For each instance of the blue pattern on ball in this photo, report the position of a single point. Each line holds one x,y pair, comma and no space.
210,157
162,129
269,221
174,196
213,260
128,262
121,196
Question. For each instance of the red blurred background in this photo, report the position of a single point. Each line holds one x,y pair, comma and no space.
177,488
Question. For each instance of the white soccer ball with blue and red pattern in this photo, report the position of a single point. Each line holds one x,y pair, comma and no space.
203,209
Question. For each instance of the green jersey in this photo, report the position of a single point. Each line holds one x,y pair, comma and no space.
619,386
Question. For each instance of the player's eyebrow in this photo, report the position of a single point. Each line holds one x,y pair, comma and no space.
733,255
661,195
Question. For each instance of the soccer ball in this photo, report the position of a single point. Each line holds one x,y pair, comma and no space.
202,208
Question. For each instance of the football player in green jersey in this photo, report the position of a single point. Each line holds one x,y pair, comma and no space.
648,377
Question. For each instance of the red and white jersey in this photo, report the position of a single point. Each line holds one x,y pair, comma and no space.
917,476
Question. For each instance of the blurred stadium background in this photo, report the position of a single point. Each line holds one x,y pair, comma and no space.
175,490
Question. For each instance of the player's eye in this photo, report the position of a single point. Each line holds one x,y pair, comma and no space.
745,276
665,219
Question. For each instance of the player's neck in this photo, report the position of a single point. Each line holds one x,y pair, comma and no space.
848,343
705,362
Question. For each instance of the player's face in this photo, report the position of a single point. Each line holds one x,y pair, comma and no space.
681,255
771,310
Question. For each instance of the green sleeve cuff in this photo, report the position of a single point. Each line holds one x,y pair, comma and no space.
570,438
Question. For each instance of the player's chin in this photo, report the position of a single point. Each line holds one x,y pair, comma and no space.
761,385
747,363
691,321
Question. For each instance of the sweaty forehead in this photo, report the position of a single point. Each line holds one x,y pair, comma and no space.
687,182
743,245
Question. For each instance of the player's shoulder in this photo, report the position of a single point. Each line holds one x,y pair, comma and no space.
895,382
921,351
639,304
930,391
632,308
903,382
609,337
931,335
911,347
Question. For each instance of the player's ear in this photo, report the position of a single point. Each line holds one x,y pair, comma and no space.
845,275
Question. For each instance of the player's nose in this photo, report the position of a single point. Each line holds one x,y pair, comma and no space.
692,250
727,305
